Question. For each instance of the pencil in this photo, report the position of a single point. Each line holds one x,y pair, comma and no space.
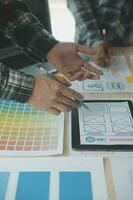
84,105
86,70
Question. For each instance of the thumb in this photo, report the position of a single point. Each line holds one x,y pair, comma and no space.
83,49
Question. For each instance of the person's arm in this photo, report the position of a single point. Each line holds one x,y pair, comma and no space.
91,36
85,21
42,92
27,32
24,29
15,85
19,25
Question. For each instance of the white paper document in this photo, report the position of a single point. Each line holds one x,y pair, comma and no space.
106,123
131,58
113,79
52,179
122,173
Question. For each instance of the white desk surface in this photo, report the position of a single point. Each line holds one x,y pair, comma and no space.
67,135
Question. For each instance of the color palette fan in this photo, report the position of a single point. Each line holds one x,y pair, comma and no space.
25,130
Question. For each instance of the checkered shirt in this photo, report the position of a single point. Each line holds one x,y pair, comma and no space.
92,16
27,33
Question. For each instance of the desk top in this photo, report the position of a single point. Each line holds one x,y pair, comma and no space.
106,155
127,51
67,137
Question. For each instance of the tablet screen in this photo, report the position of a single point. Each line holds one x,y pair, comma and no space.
105,123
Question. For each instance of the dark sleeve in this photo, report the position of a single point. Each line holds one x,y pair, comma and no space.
24,29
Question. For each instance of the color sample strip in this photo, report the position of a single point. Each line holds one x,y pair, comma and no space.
33,186
23,128
4,177
75,186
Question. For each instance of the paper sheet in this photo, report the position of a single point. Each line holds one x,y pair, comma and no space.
131,58
25,130
113,79
106,123
58,172
122,172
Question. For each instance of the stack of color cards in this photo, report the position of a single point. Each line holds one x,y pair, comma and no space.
25,130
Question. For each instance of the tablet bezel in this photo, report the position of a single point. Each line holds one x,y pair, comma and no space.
76,134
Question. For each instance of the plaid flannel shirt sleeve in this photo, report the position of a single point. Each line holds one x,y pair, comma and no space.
24,29
15,85
85,22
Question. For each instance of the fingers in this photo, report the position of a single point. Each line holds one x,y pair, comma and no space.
86,71
62,107
65,103
53,111
100,59
53,96
74,76
71,103
85,50
102,55
92,69
63,81
68,92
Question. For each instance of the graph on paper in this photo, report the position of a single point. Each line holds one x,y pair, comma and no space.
106,123
113,79
25,130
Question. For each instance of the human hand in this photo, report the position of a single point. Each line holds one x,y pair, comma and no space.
65,57
54,96
102,55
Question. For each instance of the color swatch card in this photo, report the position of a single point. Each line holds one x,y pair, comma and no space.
122,176
26,131
106,123
114,79
52,179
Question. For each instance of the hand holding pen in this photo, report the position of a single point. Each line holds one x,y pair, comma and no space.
102,54
54,95
68,61
81,103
